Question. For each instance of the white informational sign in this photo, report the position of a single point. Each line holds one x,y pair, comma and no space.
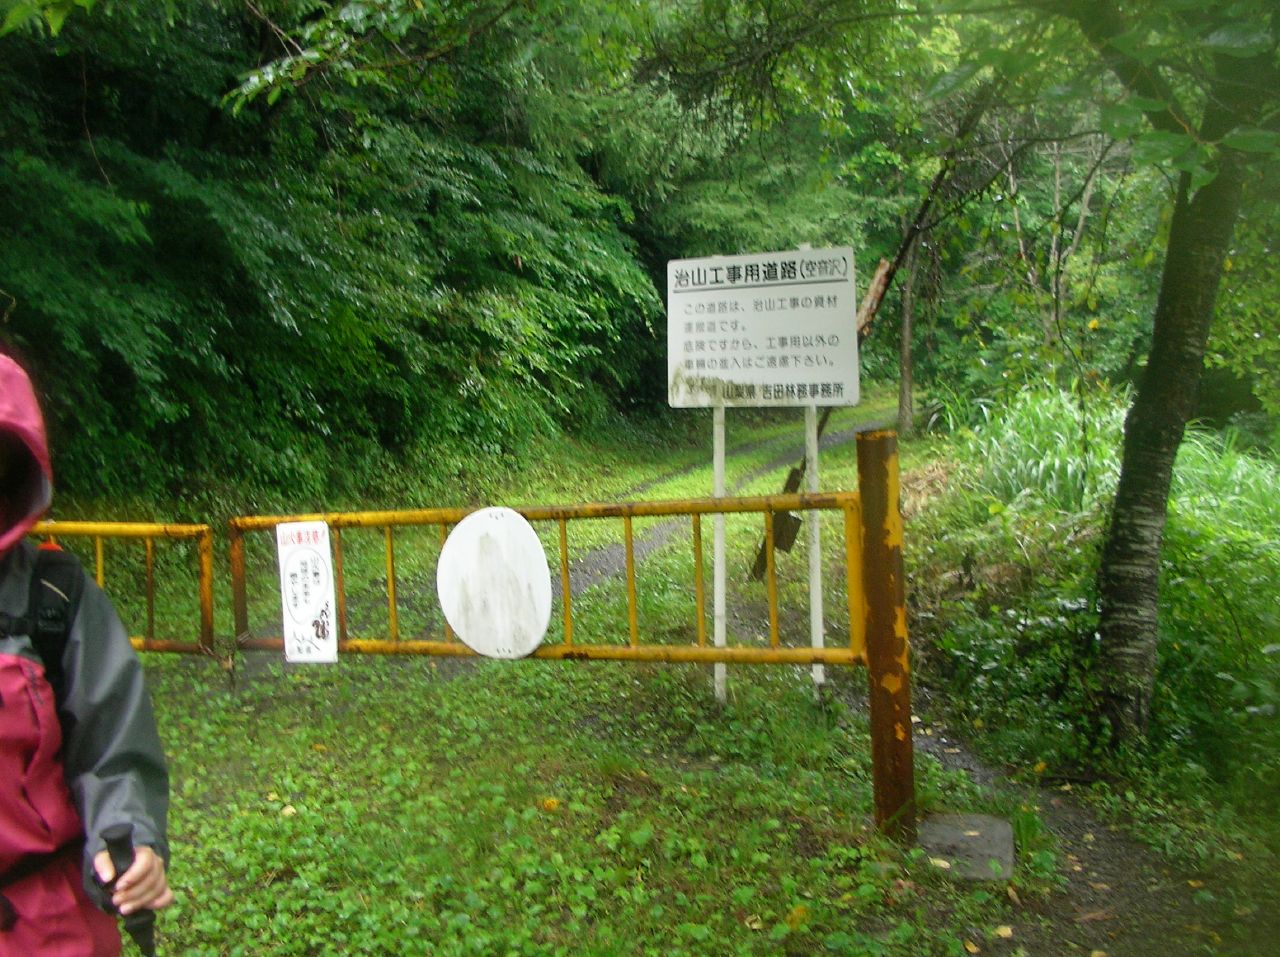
765,329
494,584
306,592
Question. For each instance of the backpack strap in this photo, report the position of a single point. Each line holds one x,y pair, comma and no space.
56,586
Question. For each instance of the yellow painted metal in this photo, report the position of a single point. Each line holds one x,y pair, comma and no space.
52,529
151,587
633,618
340,581
204,549
534,513
699,589
853,587
754,655
566,596
393,617
888,654
148,533
571,646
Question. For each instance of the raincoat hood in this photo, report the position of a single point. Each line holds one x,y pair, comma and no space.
26,479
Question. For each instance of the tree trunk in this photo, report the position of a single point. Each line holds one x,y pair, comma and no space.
906,411
1199,238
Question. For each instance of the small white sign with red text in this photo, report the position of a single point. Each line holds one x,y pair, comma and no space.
306,592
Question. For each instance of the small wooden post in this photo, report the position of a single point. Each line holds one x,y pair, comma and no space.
888,667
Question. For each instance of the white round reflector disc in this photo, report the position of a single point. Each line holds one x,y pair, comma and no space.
494,584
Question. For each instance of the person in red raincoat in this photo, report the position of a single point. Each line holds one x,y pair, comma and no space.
57,795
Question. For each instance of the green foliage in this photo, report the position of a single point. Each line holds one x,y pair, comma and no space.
1051,448
285,297
535,808
39,14
1006,597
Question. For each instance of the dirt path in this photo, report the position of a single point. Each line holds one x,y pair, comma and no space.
1120,898
611,560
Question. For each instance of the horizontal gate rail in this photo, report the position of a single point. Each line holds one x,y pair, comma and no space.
149,534
847,503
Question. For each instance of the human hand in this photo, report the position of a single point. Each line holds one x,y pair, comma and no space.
143,886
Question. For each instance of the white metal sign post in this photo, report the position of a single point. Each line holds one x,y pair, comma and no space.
718,596
816,635
764,329
306,592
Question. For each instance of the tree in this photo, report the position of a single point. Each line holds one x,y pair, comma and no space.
1205,81
1196,88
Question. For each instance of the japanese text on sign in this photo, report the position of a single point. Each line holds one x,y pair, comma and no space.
762,329
306,592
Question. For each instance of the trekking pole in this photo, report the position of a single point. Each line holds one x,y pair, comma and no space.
141,924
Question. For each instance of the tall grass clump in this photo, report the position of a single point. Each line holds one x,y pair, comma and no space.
1004,587
1219,683
1051,446
1006,601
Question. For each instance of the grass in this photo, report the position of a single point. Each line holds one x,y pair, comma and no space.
393,806
538,808
375,807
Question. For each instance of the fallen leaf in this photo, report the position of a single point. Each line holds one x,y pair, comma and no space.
1088,837
551,805
1099,886
1095,915
1040,767
797,916
971,947
1195,884
319,747
754,922
1005,931
1097,953
288,811
973,834
272,796
940,862
1013,895
951,750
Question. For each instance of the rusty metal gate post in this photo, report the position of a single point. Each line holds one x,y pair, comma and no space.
888,667
239,593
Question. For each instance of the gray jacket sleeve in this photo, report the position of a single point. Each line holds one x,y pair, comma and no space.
115,765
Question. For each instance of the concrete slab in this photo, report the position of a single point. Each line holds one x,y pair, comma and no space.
970,847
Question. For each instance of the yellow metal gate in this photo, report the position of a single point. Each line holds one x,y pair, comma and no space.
873,579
